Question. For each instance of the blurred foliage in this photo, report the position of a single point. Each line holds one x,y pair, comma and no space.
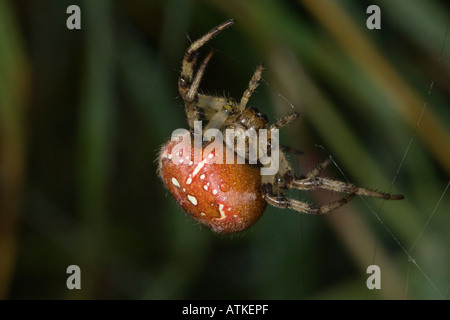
83,113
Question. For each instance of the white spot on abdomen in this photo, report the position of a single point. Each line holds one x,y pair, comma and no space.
175,182
192,199
222,213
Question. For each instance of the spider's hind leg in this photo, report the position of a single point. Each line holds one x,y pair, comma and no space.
281,201
313,182
272,187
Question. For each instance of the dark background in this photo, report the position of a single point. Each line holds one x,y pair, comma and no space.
84,112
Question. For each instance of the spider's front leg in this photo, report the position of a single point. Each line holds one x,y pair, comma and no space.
188,83
284,121
253,84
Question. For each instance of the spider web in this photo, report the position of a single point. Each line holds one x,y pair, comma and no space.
376,212
442,293
406,251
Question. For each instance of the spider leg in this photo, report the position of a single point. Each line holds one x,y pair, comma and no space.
288,174
316,171
285,179
187,84
190,56
192,92
283,121
280,201
253,84
284,164
195,46
190,96
272,190
311,181
314,182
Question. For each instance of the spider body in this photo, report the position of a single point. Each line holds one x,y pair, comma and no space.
226,198
230,197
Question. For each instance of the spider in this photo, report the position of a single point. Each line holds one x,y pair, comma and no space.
230,197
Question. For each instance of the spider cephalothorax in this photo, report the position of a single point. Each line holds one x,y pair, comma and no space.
230,197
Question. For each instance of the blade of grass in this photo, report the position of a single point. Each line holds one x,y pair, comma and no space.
14,77
384,76
96,137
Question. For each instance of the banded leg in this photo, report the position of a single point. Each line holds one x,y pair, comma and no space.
283,121
272,193
316,171
253,84
187,84
284,164
191,97
311,181
339,186
193,89
280,201
190,57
